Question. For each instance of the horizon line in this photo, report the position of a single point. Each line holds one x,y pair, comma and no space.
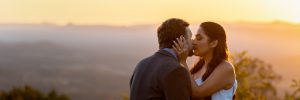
149,24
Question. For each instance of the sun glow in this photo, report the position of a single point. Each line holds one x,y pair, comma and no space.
130,12
295,20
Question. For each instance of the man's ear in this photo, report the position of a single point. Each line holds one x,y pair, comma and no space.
214,43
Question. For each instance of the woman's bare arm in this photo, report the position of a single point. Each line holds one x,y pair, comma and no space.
221,77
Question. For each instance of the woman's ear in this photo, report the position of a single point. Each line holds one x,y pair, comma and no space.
214,43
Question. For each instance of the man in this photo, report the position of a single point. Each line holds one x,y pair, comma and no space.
160,76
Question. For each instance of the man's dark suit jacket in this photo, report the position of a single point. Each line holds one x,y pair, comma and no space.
160,77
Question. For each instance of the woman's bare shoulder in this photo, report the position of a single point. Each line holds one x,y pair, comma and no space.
226,66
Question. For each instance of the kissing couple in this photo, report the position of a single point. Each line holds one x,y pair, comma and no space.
166,75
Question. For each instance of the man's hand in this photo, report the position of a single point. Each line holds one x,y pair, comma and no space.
181,48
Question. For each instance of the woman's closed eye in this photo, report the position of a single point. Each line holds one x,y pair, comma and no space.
198,37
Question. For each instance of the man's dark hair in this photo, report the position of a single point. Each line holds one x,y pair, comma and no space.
169,30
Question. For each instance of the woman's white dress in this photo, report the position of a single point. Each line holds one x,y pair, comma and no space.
222,94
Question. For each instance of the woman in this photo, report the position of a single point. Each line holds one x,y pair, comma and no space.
213,76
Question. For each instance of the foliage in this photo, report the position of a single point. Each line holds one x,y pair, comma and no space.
295,93
255,78
29,93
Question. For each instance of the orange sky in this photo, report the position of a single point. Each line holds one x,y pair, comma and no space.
131,12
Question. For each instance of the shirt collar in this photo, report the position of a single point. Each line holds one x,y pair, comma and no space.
170,51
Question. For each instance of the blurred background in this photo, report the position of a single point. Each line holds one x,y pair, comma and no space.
87,49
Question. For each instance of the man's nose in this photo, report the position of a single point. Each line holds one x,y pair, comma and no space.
193,41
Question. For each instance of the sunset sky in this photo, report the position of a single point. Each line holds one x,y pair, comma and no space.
132,12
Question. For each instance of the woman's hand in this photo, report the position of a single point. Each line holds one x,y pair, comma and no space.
181,48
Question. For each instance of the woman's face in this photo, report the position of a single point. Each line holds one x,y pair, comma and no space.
201,43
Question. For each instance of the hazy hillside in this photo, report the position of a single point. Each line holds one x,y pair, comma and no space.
95,62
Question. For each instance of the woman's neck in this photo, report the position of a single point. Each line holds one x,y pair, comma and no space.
207,58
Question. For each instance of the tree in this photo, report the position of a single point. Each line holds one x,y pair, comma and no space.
28,93
295,93
255,78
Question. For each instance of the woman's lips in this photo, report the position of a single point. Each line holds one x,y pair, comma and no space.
194,48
